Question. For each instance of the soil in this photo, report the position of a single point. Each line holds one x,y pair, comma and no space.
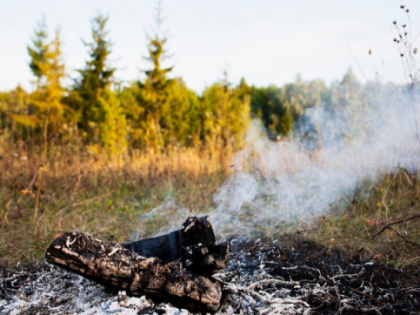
262,277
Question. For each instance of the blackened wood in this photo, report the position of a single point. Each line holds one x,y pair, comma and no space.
118,268
206,260
169,247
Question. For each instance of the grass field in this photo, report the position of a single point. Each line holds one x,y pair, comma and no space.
70,191
75,191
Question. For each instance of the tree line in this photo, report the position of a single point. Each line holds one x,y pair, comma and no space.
149,114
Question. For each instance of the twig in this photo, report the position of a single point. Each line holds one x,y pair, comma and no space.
393,223
79,177
388,226
30,185
367,295
404,238
38,193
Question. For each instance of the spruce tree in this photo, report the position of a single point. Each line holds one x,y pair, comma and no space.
153,92
48,67
161,110
225,113
38,51
96,76
101,117
48,98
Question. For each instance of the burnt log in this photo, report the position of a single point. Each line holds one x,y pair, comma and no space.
206,260
197,232
119,268
194,245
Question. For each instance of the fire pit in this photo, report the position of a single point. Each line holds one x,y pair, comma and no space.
261,277
175,267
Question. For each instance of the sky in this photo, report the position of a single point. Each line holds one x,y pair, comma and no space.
265,41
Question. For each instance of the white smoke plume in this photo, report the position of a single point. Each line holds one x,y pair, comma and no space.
338,147
298,179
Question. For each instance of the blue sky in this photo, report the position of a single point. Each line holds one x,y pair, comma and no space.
265,41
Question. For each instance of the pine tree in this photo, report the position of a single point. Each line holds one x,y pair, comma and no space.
47,99
270,104
153,93
225,113
101,115
182,117
344,93
48,110
113,126
39,50
282,108
95,77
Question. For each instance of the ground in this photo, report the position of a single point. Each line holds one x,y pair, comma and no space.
264,276
343,262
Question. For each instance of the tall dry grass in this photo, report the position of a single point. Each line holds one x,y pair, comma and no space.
382,222
73,189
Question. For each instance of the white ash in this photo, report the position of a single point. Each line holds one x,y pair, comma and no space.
52,290
55,291
262,277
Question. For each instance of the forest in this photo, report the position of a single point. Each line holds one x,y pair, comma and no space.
104,115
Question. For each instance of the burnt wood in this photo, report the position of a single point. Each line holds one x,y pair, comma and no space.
197,232
206,260
119,268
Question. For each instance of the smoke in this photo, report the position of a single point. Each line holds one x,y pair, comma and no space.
169,215
349,140
338,147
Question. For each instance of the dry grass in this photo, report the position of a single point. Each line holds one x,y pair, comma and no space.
375,205
75,191
72,191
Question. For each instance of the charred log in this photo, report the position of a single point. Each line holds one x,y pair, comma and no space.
206,260
119,268
194,245
197,232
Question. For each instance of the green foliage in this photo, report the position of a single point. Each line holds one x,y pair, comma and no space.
153,95
94,101
176,121
46,112
46,100
38,52
95,77
113,124
345,93
282,109
13,114
158,111
225,113
266,103
180,115
161,110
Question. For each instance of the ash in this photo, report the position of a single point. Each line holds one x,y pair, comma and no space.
262,277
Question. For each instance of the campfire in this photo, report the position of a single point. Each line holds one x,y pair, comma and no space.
175,267
186,271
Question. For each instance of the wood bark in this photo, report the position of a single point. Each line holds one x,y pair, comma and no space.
119,268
